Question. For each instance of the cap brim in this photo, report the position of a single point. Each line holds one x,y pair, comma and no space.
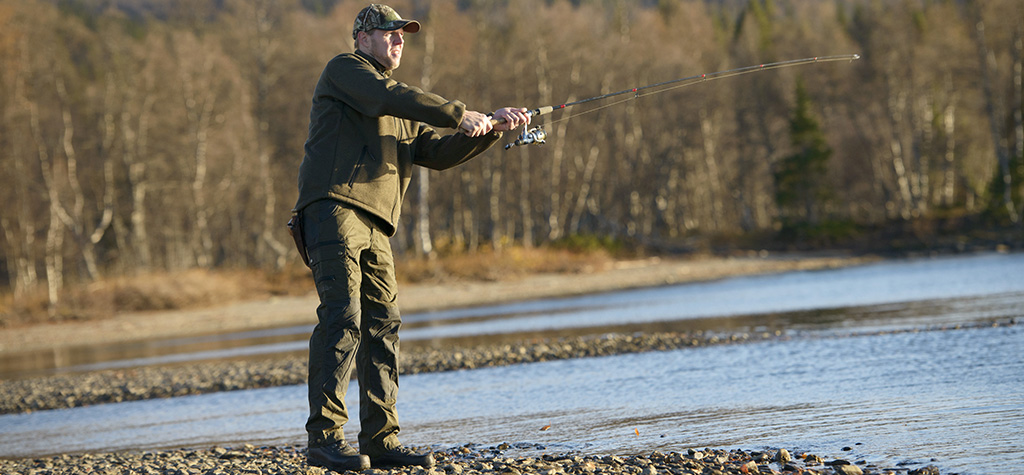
410,26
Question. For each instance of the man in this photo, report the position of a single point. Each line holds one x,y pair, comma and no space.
366,132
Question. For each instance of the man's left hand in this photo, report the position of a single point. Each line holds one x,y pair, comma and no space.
510,118
475,124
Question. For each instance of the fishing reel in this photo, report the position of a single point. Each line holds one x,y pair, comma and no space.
535,135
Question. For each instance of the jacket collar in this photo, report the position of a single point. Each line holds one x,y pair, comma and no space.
373,62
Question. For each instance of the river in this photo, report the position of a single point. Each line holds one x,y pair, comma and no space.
860,365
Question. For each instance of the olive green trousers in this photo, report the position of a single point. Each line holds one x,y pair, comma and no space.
358,322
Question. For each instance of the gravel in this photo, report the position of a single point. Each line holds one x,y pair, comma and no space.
81,389
464,460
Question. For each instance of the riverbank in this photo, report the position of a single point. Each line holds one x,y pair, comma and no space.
532,350
112,386
465,460
80,389
413,298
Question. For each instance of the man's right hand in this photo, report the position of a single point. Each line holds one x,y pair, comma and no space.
475,124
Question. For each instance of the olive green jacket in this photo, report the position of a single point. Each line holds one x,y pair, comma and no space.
366,131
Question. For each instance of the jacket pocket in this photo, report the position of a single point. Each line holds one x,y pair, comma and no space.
359,167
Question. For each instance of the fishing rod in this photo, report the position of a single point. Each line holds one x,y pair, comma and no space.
537,135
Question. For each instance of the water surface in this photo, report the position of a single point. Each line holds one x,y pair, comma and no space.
791,301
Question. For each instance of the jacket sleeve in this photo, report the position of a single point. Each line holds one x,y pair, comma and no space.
442,152
356,82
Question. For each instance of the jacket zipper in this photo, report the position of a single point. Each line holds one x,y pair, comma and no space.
359,163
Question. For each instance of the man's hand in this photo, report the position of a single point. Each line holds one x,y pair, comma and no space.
475,124
510,118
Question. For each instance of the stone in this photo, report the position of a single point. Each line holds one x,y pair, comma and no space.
783,457
812,460
847,469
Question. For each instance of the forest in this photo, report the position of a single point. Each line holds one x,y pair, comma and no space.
142,136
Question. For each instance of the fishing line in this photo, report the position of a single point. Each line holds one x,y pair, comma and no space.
538,136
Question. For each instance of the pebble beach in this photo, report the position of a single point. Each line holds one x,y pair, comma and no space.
465,460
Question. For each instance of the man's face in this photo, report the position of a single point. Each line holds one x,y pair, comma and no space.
385,46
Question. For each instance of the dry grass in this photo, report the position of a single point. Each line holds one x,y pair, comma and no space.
511,263
200,288
189,289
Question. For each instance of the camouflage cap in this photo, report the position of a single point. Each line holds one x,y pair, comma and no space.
382,17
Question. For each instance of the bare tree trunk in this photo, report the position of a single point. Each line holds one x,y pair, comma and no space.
1018,103
947,193
692,191
668,201
469,220
923,145
53,258
585,184
897,108
270,224
494,199
558,208
261,18
713,183
458,224
135,139
109,182
525,206
17,262
20,235
22,244
903,183
424,245
76,220
198,99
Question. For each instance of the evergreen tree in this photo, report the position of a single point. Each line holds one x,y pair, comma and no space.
801,187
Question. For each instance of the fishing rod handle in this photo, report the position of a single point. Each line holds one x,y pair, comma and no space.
532,113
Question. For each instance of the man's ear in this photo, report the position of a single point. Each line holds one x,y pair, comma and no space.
362,39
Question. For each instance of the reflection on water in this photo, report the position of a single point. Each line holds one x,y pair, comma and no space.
893,294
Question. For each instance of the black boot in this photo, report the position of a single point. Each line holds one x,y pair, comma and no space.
401,457
337,457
